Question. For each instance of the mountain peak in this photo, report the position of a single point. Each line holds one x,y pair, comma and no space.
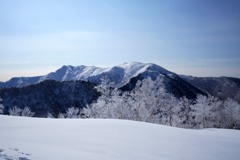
66,67
116,75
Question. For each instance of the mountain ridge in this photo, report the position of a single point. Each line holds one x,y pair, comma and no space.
122,74
221,87
116,75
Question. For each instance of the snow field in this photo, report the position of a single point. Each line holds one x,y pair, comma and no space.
94,139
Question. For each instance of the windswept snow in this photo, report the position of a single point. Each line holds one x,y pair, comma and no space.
94,139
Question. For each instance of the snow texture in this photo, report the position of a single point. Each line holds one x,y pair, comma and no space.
93,139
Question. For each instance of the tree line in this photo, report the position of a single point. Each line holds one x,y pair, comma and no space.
149,102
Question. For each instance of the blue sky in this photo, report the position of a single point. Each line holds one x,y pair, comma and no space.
193,37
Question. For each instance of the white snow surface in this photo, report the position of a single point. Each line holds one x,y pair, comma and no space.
96,139
132,69
82,72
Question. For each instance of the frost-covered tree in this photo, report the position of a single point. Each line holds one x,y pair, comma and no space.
231,114
61,115
25,112
1,106
104,107
149,102
201,109
15,111
100,109
146,99
72,113
49,115
141,104
212,112
204,111
185,114
117,105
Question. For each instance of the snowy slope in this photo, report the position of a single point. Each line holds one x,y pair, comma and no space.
117,75
20,81
94,139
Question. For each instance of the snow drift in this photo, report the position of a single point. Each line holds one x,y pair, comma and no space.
92,139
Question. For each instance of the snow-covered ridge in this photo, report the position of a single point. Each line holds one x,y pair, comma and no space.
117,75
94,139
84,72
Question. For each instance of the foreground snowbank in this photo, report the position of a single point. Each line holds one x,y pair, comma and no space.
90,139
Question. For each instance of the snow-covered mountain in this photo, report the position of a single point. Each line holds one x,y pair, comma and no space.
20,82
137,91
171,82
116,76
127,74
96,139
